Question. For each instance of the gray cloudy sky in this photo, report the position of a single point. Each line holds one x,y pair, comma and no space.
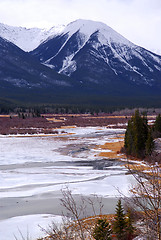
137,20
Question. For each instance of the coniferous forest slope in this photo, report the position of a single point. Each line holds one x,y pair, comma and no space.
86,63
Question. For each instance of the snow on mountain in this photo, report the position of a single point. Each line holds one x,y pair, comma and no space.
27,38
99,62
120,46
93,52
86,28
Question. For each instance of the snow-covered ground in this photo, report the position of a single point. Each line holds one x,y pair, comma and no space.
35,169
31,226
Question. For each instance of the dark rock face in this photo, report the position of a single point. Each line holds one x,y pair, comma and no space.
102,59
20,69
25,79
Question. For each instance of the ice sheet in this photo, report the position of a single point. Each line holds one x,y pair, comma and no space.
37,166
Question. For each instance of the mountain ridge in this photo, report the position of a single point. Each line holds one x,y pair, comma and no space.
103,45
86,62
27,38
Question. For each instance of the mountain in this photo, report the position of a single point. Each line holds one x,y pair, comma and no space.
85,62
23,77
27,38
100,58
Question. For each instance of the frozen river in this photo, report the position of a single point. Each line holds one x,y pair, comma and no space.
34,170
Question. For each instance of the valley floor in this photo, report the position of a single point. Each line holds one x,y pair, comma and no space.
49,123
35,168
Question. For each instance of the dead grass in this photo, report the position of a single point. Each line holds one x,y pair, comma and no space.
108,117
114,147
89,223
140,168
55,120
108,154
137,167
68,127
4,116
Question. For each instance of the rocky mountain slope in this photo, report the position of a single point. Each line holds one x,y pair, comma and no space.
84,62
20,73
93,53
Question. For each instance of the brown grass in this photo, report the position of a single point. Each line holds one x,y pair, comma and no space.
5,116
67,127
109,117
114,147
54,120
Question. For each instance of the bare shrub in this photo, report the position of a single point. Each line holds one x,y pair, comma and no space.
146,197
76,225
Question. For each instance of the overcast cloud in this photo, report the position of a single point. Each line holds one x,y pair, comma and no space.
137,20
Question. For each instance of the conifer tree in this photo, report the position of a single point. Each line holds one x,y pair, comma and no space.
120,222
149,143
157,125
102,230
129,226
136,136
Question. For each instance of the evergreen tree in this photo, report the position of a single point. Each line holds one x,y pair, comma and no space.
129,227
120,222
136,136
149,143
129,136
102,230
157,125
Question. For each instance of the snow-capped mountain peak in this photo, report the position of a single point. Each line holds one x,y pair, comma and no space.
88,27
88,48
97,60
78,34
27,38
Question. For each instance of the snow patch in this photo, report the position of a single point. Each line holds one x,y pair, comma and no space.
157,67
